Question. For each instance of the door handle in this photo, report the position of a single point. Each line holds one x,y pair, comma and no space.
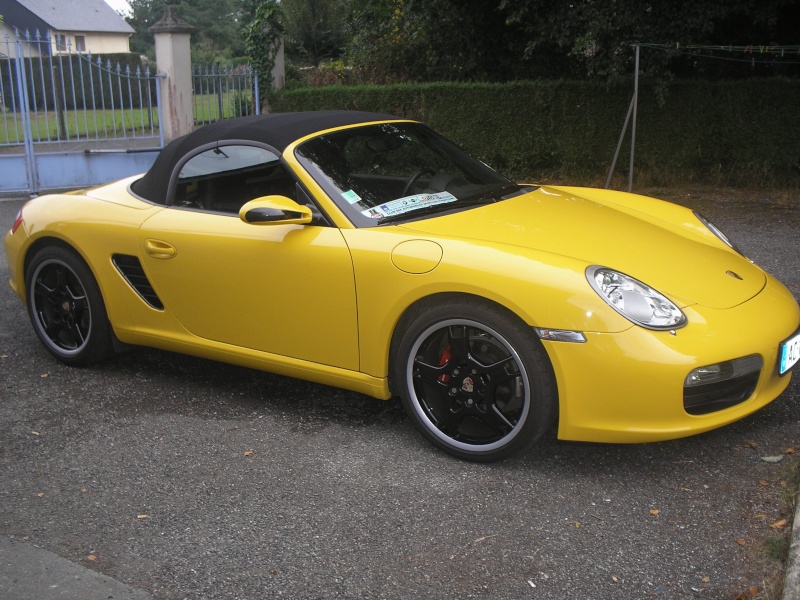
159,249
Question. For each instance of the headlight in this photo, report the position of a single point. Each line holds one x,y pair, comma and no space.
715,230
634,300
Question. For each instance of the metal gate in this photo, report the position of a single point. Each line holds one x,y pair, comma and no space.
224,92
70,120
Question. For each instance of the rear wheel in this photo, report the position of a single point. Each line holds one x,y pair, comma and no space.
66,308
475,380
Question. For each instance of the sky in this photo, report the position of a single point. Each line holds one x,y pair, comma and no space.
119,5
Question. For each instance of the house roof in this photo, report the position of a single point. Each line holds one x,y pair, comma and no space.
78,15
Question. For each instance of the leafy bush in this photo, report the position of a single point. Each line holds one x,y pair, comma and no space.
240,103
727,133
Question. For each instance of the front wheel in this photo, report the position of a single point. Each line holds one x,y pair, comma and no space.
474,380
66,308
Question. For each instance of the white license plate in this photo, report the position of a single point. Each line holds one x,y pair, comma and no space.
789,353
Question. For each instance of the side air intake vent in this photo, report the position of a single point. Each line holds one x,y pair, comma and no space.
131,269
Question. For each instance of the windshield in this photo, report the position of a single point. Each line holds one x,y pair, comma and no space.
397,171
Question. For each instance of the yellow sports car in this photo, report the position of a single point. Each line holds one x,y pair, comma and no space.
367,252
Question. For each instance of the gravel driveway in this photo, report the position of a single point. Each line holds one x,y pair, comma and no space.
192,479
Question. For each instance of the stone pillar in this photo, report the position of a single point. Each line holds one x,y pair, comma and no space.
279,69
174,61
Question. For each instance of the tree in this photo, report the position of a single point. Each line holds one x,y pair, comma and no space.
595,36
315,29
475,40
433,40
218,24
263,39
427,40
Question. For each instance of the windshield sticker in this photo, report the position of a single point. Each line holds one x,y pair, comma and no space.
351,196
407,204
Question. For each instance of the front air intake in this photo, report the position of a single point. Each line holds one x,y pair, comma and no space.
721,385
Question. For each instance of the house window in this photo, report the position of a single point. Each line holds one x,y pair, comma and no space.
80,43
61,42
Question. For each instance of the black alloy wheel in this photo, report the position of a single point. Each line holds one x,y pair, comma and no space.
66,308
478,384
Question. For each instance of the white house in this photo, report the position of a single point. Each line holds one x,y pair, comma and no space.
72,25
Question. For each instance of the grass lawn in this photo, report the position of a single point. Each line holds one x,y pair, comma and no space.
109,124
79,124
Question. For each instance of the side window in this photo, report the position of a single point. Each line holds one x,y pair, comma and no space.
226,177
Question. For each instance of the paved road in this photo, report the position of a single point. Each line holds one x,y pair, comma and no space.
137,469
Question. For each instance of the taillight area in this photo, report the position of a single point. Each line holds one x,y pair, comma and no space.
17,222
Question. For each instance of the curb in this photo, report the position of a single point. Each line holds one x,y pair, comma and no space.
31,573
791,582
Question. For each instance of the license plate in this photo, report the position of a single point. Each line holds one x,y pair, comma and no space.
789,353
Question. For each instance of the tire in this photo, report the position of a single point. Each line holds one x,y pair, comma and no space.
474,379
66,308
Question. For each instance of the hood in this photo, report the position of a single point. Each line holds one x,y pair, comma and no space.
688,267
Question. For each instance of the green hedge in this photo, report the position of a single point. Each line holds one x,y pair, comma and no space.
742,133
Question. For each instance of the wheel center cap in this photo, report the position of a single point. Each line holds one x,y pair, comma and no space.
65,306
467,385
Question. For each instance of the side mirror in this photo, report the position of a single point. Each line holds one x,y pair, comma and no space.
274,210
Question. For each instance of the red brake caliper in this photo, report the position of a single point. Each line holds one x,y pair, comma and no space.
444,378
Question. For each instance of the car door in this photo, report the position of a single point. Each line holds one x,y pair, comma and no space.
284,289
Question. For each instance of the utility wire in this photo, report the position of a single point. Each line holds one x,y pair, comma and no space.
753,50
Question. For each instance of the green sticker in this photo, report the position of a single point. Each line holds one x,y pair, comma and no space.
351,196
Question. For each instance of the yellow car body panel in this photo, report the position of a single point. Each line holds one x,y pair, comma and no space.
89,227
267,282
323,303
537,220
652,366
542,294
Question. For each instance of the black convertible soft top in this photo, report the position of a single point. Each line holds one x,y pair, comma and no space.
277,130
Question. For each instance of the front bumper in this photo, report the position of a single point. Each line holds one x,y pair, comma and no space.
629,387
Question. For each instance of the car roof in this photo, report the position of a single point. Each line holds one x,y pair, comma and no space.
277,130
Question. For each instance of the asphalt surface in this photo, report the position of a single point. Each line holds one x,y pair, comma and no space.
174,477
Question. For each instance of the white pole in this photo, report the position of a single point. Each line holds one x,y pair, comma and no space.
619,145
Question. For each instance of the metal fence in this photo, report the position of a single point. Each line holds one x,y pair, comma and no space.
66,96
223,92
68,119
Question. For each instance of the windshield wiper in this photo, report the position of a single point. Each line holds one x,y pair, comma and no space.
493,194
